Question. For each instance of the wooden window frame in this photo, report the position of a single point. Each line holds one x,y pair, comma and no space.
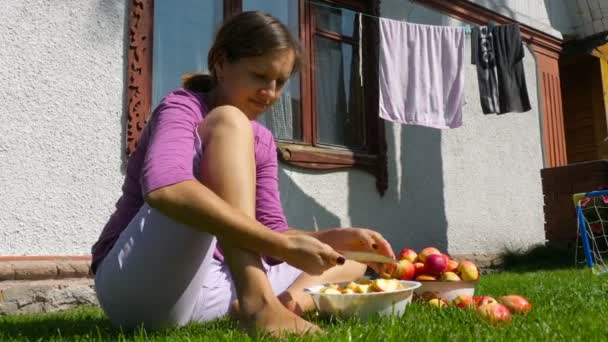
311,155
306,154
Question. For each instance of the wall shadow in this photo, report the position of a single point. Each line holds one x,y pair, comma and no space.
301,210
412,212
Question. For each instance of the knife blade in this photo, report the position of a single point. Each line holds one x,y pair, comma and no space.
367,257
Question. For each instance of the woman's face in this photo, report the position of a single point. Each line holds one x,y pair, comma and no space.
253,84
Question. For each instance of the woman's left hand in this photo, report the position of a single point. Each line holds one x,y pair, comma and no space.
357,239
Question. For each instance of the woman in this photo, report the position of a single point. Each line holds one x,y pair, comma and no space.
200,194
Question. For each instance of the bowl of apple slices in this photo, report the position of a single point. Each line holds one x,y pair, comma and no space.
363,298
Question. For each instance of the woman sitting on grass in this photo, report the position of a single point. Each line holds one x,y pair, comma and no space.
200,203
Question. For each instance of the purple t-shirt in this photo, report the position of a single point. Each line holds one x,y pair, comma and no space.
167,153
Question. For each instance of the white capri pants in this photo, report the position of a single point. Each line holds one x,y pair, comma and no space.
161,273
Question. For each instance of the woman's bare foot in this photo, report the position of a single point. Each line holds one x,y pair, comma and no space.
298,303
274,319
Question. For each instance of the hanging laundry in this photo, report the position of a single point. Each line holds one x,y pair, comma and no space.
421,74
498,53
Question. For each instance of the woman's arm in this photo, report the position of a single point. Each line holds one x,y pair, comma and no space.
169,186
192,203
349,239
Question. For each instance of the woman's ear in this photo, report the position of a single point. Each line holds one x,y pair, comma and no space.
218,66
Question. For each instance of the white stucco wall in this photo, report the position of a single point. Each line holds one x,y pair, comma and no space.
536,13
472,189
62,69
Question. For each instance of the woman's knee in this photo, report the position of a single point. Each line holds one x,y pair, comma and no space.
226,122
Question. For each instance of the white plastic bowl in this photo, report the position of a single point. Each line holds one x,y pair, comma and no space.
363,305
446,289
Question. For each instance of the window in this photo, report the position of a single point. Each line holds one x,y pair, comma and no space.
327,117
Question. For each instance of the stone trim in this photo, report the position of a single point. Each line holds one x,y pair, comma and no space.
40,268
26,297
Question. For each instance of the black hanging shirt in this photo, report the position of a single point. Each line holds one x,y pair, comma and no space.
498,53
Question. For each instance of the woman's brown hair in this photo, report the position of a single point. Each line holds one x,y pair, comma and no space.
248,34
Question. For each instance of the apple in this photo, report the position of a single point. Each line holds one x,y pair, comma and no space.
364,281
482,300
384,285
463,301
515,303
494,312
352,285
452,265
468,270
360,288
405,270
437,302
426,277
407,254
331,290
425,252
387,270
450,276
435,264
419,268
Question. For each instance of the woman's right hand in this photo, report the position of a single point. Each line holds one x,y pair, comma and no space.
309,254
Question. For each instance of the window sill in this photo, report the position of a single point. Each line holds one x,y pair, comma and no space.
318,158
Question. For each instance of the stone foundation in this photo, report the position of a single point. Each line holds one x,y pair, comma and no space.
47,285
34,286
35,296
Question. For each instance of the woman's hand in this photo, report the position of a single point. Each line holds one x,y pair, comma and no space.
309,254
357,239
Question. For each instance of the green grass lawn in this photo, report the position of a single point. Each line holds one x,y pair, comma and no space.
569,304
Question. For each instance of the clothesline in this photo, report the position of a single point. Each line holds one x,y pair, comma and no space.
431,94
467,27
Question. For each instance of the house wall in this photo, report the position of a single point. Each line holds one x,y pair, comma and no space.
549,16
475,189
61,138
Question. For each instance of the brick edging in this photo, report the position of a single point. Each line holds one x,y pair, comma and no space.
41,267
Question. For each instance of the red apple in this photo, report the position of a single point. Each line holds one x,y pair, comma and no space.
435,264
405,270
482,300
407,254
425,277
516,303
452,265
468,270
494,312
419,268
425,252
463,301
